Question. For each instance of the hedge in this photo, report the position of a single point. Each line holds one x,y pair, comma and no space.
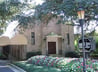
37,63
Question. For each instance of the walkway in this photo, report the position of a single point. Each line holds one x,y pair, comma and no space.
4,67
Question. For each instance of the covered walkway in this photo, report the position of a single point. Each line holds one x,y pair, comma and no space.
13,47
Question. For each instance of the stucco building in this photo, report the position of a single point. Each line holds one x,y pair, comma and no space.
51,38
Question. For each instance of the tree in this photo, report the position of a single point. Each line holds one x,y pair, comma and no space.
67,10
8,9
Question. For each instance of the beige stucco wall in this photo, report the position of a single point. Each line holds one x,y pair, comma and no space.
52,26
64,30
37,45
42,30
60,40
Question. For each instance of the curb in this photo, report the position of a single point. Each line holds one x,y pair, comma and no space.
16,67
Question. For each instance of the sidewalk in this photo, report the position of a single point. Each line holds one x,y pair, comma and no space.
5,66
3,62
5,69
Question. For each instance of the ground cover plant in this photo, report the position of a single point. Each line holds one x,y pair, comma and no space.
57,64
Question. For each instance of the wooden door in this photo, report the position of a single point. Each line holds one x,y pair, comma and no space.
51,47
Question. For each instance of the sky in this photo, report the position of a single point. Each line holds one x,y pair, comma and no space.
37,1
12,25
87,29
10,29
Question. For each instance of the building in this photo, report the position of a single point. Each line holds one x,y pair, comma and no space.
51,38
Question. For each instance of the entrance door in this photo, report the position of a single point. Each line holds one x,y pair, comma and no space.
51,47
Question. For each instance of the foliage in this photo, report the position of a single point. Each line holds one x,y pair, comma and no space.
30,54
35,68
96,34
95,53
77,66
8,9
25,17
72,54
57,64
49,61
66,9
76,45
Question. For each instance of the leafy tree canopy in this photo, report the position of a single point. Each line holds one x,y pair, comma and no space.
8,9
67,9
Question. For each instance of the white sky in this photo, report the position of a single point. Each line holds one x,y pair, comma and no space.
96,29
90,28
12,25
36,1
10,29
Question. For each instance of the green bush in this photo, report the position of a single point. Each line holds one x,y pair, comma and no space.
34,68
57,64
95,53
21,64
72,54
30,54
49,61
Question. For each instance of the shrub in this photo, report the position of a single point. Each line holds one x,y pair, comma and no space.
72,54
95,53
30,54
57,64
77,66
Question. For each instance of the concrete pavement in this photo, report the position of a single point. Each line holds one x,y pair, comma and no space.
5,69
5,66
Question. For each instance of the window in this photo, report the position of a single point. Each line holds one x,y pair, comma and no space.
32,38
68,38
